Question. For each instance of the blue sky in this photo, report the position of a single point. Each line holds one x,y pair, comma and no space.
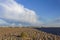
30,12
47,9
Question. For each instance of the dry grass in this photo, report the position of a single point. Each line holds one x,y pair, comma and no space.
25,34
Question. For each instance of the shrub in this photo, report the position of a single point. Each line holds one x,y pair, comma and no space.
24,34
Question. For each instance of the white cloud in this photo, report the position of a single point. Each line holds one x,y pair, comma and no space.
3,22
10,9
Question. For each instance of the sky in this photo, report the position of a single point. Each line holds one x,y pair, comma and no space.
30,13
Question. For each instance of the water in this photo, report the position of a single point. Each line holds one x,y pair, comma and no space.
55,31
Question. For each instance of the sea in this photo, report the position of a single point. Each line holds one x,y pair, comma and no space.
55,30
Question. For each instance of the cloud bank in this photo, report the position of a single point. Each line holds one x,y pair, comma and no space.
12,13
11,10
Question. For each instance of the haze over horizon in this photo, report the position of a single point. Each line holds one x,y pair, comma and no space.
30,13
